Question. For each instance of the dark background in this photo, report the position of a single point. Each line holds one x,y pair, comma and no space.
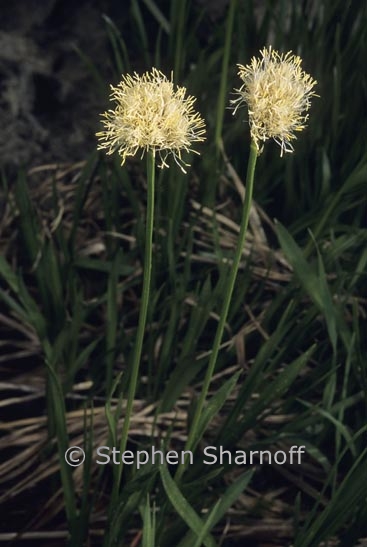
49,101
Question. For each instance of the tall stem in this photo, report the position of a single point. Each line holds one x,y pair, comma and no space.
193,437
224,74
143,309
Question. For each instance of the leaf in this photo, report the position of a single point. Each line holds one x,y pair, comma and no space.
214,405
314,284
270,392
8,274
220,508
183,508
148,525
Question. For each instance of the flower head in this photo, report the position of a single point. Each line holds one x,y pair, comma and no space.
278,94
152,115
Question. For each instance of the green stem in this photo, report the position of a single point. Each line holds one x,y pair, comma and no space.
57,421
143,312
224,74
193,437
179,28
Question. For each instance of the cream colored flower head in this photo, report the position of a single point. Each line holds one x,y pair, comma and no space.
151,115
277,93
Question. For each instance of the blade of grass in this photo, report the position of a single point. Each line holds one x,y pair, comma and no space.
231,494
183,508
315,285
224,74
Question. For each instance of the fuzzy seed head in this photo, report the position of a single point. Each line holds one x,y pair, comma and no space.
277,93
151,114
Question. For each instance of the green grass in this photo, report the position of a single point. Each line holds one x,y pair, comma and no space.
291,368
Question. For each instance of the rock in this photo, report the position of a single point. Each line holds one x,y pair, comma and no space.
48,105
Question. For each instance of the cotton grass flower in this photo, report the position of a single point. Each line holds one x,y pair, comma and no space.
154,117
151,115
277,92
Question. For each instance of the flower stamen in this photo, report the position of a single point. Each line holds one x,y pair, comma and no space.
277,93
151,115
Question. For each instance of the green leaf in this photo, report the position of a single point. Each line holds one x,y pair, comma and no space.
112,420
314,284
270,392
156,12
350,495
8,274
214,405
148,525
220,508
183,508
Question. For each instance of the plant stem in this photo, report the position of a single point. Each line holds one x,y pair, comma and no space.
193,437
224,74
178,18
57,421
143,310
